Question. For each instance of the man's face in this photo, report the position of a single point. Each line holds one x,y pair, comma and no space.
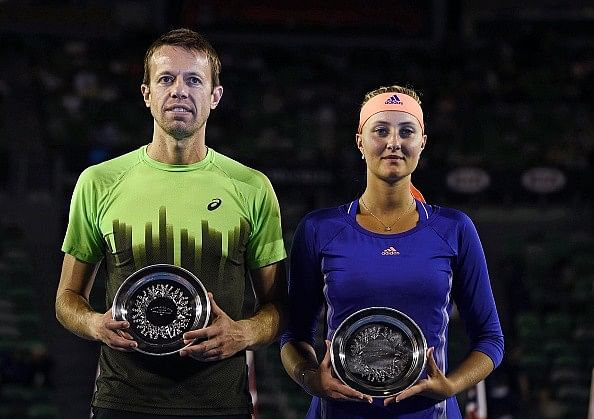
180,94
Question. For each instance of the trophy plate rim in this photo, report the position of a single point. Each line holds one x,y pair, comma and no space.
390,319
174,276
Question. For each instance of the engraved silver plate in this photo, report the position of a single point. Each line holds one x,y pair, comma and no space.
378,351
161,302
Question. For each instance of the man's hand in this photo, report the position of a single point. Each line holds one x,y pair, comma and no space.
112,332
222,339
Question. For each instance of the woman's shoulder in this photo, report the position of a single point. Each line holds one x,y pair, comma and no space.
322,225
448,215
325,215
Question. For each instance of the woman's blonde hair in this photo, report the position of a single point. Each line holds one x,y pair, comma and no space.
392,89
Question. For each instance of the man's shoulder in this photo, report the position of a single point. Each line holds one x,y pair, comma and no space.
112,169
239,171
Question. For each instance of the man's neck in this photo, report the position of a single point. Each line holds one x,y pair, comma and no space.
172,151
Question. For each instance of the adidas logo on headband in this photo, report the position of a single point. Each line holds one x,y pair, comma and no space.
393,100
385,102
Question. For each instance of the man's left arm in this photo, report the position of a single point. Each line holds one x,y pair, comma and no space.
225,337
270,287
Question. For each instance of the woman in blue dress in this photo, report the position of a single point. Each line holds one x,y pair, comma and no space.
389,248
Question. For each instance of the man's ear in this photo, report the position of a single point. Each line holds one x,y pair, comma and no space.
146,95
215,96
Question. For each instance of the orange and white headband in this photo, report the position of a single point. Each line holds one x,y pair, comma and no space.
391,101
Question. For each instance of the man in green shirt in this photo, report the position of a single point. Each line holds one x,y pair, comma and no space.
179,202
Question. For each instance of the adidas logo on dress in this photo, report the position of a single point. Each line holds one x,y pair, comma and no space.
393,100
390,251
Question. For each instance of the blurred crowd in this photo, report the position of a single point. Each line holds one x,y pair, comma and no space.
26,367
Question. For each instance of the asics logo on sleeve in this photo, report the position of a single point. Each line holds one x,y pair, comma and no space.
390,251
214,204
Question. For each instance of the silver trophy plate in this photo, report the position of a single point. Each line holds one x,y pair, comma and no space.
161,302
378,351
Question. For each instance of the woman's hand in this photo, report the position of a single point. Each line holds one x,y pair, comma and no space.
436,386
323,384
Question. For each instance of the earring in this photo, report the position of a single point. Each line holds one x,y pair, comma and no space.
362,156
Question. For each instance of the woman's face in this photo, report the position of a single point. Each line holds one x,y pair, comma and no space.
391,142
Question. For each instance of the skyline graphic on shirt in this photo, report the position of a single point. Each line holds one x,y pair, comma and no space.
159,246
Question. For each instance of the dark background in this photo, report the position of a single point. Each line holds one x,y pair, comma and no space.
507,93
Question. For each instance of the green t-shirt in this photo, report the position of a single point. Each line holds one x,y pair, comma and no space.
217,218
